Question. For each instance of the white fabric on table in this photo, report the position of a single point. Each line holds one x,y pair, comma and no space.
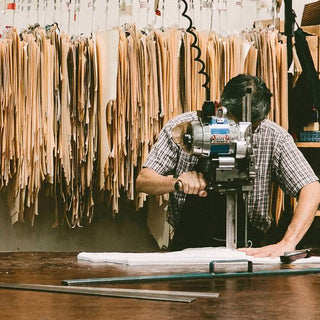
183,257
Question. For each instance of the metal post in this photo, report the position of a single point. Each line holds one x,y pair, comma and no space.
289,20
231,220
245,199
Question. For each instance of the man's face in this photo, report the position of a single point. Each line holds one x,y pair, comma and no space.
236,120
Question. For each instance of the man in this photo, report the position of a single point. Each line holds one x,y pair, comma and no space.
277,158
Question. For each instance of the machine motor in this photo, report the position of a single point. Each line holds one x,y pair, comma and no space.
224,148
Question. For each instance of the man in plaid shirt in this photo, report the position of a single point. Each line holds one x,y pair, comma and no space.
277,159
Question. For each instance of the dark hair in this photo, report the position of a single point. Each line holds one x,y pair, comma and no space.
234,91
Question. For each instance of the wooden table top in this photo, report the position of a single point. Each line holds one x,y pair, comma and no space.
257,297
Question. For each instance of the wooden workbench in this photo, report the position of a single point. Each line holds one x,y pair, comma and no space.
263,297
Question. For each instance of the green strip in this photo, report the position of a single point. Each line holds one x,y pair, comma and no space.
189,276
148,278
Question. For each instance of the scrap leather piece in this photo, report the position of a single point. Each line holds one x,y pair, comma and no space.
107,58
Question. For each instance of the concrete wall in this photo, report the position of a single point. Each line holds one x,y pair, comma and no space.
126,232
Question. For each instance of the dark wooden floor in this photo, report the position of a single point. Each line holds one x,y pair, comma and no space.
263,297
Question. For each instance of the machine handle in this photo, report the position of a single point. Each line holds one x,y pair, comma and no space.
178,186
215,262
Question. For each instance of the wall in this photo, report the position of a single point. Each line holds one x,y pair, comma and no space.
225,15
128,231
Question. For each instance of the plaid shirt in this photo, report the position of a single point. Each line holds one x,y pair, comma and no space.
277,158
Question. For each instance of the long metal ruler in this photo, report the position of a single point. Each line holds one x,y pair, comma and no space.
159,295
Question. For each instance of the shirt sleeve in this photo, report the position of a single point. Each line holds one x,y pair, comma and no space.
293,171
163,155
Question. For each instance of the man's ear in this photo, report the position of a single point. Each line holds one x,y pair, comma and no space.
217,105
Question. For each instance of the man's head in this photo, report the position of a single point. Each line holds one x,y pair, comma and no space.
235,90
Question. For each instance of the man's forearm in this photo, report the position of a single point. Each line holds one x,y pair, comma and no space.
304,213
301,221
153,183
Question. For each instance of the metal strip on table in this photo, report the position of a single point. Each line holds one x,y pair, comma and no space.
107,292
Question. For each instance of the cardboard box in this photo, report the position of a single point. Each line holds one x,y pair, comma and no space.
314,44
311,14
312,29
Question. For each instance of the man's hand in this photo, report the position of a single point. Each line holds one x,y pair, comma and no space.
272,251
193,183
303,216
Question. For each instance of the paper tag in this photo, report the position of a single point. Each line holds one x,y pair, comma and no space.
207,4
143,4
11,6
220,6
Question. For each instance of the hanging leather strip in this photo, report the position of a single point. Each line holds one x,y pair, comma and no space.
107,54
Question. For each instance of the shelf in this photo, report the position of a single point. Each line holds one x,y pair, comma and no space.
308,144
